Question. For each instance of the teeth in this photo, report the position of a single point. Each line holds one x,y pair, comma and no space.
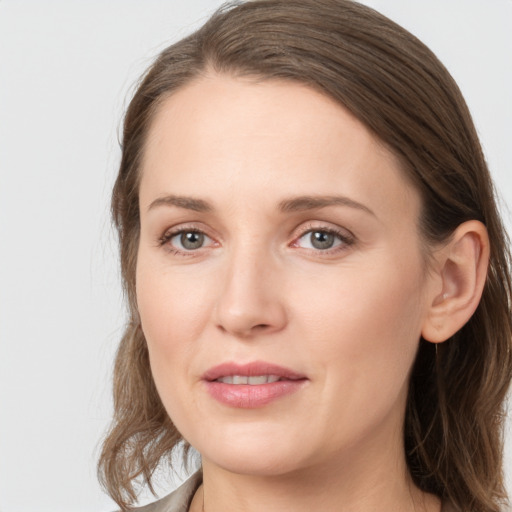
261,379
252,381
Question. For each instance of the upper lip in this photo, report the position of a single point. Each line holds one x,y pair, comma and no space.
250,370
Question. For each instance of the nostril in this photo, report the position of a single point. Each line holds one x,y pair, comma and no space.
245,332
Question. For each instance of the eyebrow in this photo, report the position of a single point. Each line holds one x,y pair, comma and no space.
188,203
295,204
304,203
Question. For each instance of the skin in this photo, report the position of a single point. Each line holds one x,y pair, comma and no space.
349,318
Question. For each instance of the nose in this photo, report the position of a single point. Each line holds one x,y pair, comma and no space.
250,301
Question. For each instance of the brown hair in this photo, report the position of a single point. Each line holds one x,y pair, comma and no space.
397,87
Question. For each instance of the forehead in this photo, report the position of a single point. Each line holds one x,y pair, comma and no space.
239,136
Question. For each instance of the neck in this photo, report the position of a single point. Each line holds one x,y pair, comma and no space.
360,485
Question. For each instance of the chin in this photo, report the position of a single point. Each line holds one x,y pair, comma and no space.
255,453
254,464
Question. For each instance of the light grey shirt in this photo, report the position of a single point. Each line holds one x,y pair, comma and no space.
177,501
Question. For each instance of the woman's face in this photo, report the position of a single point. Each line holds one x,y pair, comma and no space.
279,240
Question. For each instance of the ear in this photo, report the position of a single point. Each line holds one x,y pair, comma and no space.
460,275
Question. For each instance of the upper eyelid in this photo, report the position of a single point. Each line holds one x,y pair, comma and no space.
346,240
331,228
184,227
300,231
343,234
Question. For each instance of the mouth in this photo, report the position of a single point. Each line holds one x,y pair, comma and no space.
255,380
251,385
253,374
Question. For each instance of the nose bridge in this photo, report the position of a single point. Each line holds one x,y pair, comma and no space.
248,259
249,300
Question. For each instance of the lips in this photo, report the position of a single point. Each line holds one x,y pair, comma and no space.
254,369
251,385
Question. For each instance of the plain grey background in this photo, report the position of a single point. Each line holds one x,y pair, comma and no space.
66,72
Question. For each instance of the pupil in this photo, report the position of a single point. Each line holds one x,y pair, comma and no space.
322,240
192,240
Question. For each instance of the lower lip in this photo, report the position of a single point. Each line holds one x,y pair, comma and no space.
246,396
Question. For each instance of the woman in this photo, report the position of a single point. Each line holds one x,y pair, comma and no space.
318,278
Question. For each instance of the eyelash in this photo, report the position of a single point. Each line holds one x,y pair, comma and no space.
169,235
346,238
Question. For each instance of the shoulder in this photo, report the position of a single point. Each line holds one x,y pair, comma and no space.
177,501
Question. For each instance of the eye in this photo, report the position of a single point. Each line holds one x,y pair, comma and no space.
189,240
185,240
323,239
320,239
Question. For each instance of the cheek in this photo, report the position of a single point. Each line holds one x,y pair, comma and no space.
361,333
172,316
172,307
365,322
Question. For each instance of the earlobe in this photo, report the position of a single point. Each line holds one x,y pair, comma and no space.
462,270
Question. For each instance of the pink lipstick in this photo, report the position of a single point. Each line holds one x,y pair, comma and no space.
252,385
